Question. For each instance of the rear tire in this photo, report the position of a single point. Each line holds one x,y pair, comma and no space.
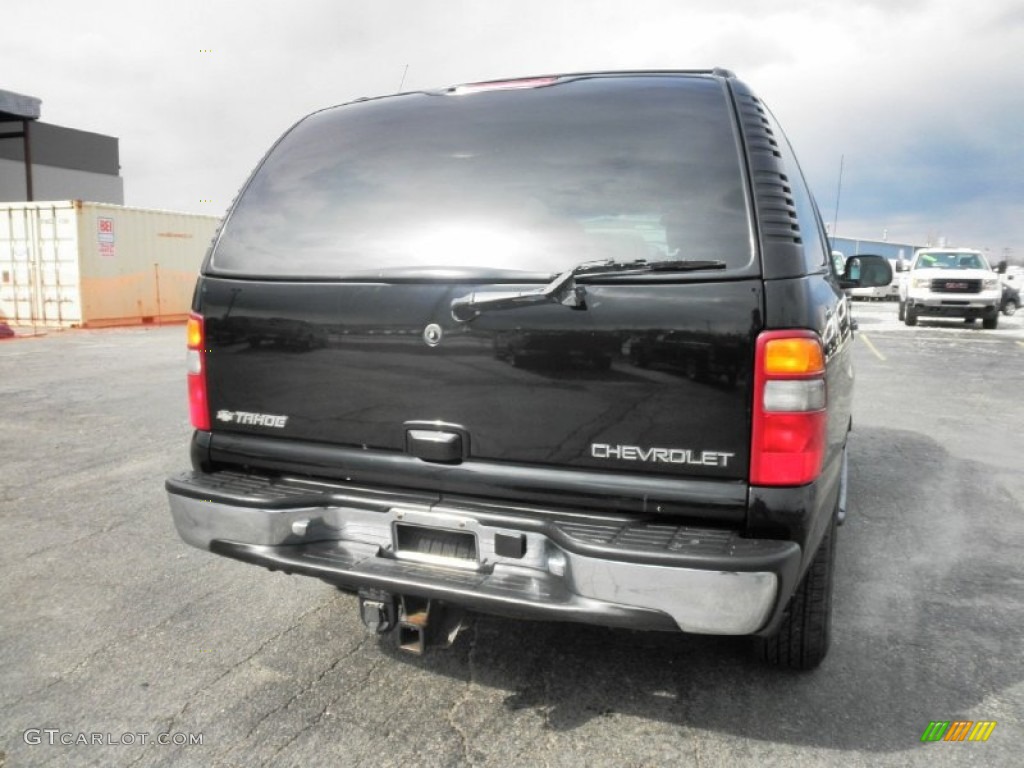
1009,308
911,316
802,640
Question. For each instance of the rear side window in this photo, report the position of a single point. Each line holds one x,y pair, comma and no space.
513,183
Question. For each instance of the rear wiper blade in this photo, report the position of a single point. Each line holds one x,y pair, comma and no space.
640,266
564,290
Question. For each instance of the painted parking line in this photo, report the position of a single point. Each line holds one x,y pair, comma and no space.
873,348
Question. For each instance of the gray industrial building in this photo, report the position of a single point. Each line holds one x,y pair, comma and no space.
40,161
852,246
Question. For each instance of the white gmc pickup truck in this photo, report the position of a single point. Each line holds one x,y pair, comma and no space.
950,282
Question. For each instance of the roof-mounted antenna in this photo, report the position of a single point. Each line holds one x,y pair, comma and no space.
404,73
839,191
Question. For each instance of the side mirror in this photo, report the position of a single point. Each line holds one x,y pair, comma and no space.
866,271
901,266
1001,267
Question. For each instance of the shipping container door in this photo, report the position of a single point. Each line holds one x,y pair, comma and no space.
56,261
39,266
16,278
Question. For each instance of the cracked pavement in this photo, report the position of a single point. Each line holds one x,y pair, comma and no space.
112,625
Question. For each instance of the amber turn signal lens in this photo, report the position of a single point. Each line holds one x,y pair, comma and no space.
194,332
793,356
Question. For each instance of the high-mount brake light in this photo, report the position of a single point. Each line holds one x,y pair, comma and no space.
198,408
789,431
504,85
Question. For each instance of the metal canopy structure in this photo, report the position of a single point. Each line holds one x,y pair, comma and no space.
18,108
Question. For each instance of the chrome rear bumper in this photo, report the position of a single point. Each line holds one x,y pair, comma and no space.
600,569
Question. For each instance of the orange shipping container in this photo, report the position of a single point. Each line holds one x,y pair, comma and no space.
71,263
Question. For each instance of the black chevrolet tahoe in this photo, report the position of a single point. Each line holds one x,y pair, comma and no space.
567,348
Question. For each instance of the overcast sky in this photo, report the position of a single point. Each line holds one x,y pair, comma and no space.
923,99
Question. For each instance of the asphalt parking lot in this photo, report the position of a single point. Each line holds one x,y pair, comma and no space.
114,627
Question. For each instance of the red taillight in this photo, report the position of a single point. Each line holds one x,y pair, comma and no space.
790,421
198,409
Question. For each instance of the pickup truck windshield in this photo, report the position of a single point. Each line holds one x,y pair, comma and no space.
940,260
509,185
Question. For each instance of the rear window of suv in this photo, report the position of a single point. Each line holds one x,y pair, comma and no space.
504,184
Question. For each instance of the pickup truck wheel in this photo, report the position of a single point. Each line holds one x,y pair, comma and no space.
802,640
902,311
910,317
1009,307
990,322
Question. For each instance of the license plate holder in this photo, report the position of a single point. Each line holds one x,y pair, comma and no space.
438,546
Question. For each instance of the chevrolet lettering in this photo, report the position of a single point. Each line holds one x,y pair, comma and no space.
564,348
667,455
